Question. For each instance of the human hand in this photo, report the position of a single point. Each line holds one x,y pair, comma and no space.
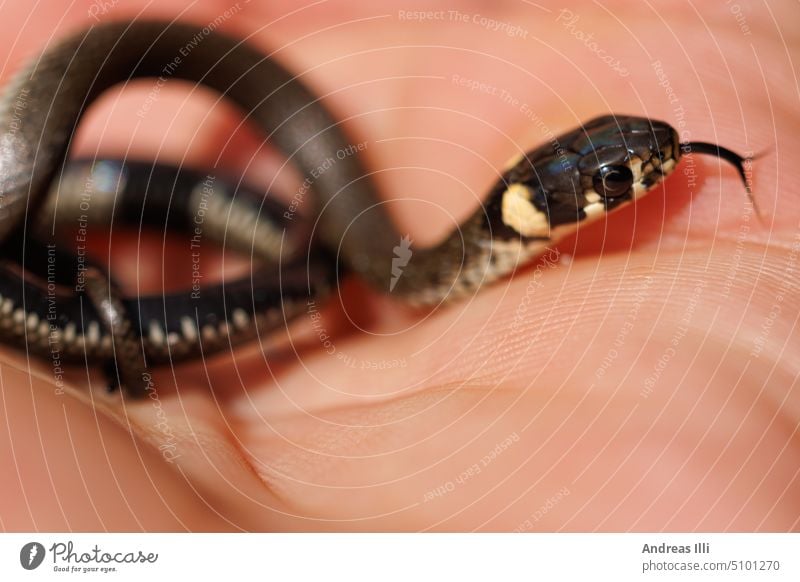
646,384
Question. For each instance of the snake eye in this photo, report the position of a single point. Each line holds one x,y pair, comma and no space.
613,181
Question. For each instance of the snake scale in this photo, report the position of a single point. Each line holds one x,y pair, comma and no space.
61,304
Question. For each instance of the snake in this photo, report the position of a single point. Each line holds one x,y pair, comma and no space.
543,196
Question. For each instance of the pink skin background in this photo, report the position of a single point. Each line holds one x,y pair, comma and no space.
549,368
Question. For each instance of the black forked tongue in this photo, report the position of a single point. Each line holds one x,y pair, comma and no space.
737,161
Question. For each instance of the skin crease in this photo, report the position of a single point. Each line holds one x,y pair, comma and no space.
557,368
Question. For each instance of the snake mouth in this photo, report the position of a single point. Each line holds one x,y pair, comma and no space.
634,173
648,172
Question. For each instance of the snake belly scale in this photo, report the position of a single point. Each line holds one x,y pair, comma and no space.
585,173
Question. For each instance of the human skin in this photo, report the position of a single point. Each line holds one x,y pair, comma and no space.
539,404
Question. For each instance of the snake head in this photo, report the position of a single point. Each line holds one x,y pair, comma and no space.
581,175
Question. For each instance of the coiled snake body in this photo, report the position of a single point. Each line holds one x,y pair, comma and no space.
577,177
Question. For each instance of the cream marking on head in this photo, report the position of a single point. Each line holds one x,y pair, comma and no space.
635,164
520,214
666,168
594,210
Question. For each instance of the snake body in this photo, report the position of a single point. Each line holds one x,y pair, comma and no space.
545,195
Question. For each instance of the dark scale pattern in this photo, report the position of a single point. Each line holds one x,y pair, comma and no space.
63,321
